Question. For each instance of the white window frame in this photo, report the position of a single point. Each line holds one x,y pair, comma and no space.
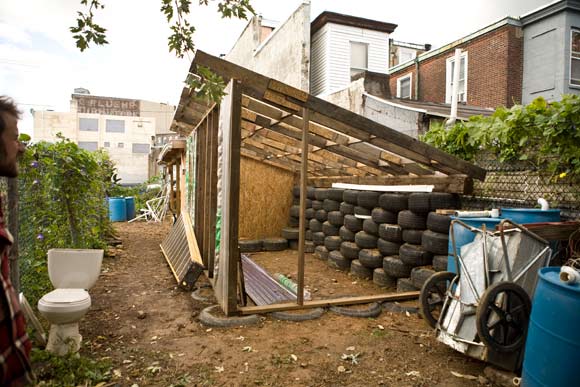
449,78
400,80
357,69
573,57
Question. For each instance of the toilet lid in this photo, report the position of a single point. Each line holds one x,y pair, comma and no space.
58,296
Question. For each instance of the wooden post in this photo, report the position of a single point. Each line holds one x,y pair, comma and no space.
302,222
171,193
178,186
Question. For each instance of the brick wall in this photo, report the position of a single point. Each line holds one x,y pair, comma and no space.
494,70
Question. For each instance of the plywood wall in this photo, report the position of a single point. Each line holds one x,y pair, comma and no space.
265,199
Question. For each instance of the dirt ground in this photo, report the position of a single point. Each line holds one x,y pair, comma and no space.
149,328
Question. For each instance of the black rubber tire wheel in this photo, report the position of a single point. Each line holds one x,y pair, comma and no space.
309,246
207,318
419,275
372,310
315,225
368,199
349,250
308,235
510,305
310,192
198,295
294,222
299,315
290,232
388,248
409,219
293,244
274,244
321,193
415,255
296,191
332,242
352,223
438,222
347,208
432,296
336,218
321,215
346,234
250,245
296,201
371,258
350,196
371,227
321,252
359,270
419,202
440,262
337,261
442,200
317,205
330,205
380,215
393,202
435,242
295,211
358,210
365,240
413,237
310,213
329,229
405,285
382,279
318,238
395,307
335,194
391,232
396,268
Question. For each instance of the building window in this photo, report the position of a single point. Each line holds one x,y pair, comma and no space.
358,57
115,126
89,145
141,148
462,90
406,54
107,144
575,58
89,124
120,145
404,86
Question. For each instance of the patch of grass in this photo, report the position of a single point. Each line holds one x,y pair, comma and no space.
70,370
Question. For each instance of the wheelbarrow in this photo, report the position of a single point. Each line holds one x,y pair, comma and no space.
484,309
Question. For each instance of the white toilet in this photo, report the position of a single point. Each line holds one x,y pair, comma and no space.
72,272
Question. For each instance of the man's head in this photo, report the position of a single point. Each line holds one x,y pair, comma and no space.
10,147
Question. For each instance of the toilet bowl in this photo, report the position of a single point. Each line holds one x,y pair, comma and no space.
71,272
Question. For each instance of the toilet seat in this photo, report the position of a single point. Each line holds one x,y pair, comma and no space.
65,300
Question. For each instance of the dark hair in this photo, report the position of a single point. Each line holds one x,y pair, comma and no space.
7,105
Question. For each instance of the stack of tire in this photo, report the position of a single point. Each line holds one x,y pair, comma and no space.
342,249
326,223
292,232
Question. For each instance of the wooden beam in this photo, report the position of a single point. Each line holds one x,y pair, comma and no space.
460,184
343,120
254,156
404,296
302,220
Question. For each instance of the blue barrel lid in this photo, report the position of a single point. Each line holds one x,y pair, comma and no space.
531,210
551,275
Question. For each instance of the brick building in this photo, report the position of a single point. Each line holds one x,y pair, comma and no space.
490,73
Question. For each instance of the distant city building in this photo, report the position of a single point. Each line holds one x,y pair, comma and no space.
131,131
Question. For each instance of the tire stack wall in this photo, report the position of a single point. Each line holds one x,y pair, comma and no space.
292,232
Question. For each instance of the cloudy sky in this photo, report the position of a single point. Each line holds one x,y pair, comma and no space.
40,65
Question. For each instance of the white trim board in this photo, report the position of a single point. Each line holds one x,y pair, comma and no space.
385,188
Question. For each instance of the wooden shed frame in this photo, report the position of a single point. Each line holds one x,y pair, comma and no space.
277,124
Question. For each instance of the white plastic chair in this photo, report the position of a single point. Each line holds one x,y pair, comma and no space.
156,208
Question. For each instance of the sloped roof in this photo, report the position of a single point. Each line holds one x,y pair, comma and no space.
342,146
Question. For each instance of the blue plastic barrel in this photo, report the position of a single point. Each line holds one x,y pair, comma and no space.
530,215
117,210
553,342
463,236
130,204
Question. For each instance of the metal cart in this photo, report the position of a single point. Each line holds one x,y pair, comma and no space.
483,310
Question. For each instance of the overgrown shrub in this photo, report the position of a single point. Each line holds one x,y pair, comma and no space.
544,134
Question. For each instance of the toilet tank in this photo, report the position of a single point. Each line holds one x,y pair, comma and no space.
74,268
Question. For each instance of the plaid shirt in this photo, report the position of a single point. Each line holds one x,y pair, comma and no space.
15,369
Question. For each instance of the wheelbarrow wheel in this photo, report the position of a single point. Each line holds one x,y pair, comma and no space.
432,296
502,316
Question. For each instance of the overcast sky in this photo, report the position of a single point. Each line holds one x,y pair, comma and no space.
40,65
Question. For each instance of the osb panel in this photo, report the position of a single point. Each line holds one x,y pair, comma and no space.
265,199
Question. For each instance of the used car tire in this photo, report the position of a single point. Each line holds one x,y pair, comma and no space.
346,234
357,269
371,258
250,245
435,242
388,248
372,310
299,315
332,242
295,211
315,225
412,220
415,255
347,208
290,232
350,196
208,317
329,229
412,236
440,262
365,240
393,202
294,222
443,200
336,218
419,202
335,194
321,215
353,223
391,232
330,205
438,222
368,199
309,213
419,275
349,250
321,252
396,268
337,261
382,279
321,194
405,285
274,244
380,215
318,238
317,205
369,226
358,210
